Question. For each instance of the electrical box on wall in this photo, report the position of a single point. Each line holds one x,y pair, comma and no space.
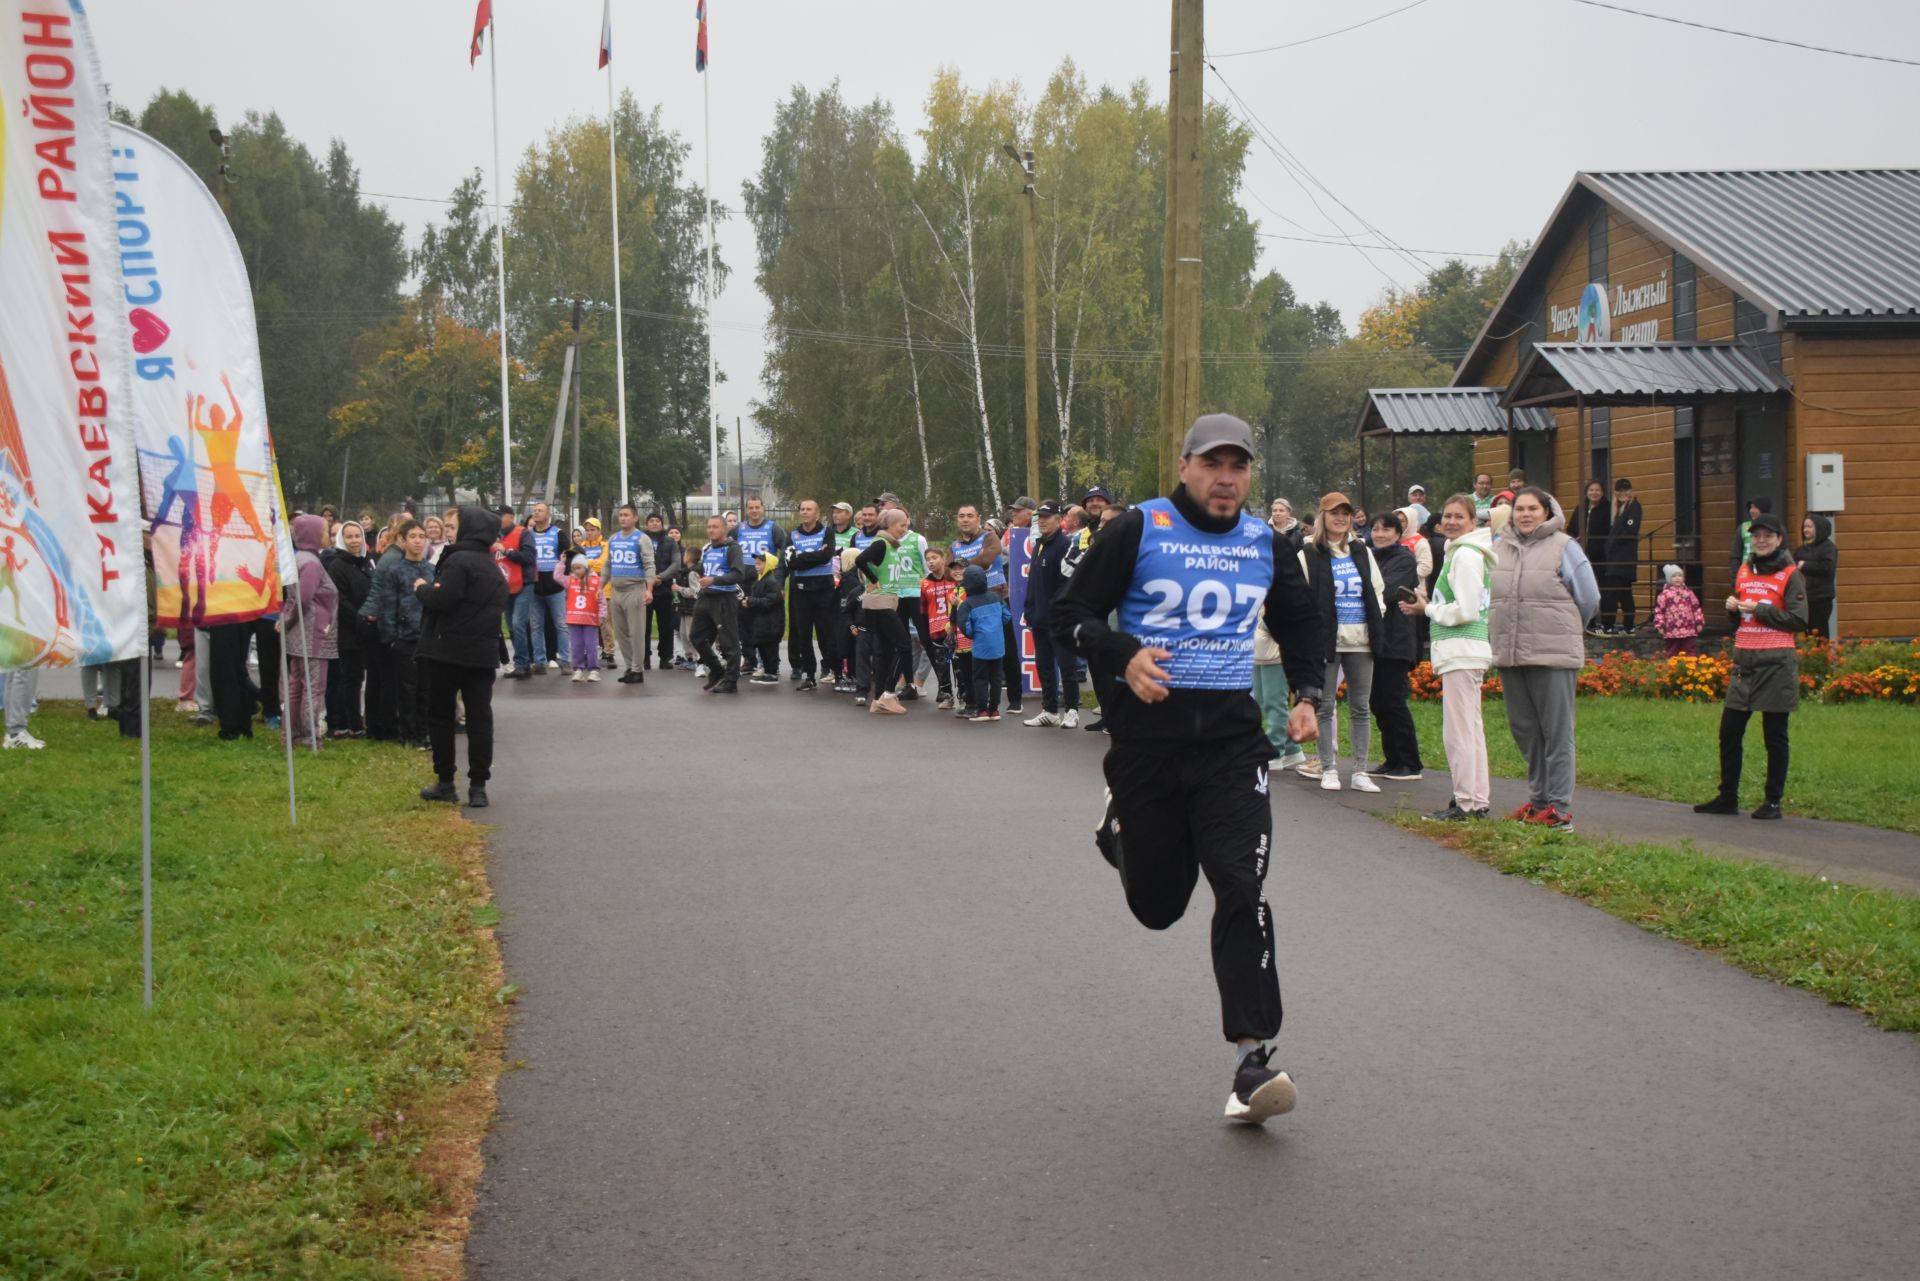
1826,483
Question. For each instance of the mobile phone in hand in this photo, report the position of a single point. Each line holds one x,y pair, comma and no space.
1405,595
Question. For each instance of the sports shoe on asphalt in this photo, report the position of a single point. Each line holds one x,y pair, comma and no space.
843,687
578,677
982,717
711,680
476,797
725,686
1329,780
537,670
907,695
1400,775
764,678
966,713
807,683
1309,767
1452,814
553,664
859,700
944,703
441,792
1719,805
1260,1092
1522,815
518,674
993,715
1045,720
887,705
1361,783
593,676
1768,810
1097,725
1070,719
20,738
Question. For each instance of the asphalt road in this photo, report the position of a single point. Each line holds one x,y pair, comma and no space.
812,994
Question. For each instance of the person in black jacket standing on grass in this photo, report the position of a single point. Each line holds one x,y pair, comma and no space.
1187,771
1394,658
459,645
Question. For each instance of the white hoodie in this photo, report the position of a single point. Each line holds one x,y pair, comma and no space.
1467,584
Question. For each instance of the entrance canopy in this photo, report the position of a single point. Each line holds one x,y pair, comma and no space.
1445,411
1666,373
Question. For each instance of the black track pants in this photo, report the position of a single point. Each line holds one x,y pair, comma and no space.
1189,808
1733,734
813,614
471,688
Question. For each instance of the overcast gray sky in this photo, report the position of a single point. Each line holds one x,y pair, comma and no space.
1453,126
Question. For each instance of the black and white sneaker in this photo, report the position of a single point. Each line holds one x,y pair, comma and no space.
1106,837
807,682
1259,1091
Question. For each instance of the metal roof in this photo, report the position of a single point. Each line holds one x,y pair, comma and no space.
1809,243
1640,372
1444,411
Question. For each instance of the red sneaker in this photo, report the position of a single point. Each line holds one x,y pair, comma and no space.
1553,818
1522,815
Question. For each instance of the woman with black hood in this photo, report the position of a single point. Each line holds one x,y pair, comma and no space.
460,613
351,570
1819,562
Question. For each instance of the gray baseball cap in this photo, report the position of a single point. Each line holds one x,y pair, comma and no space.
1025,503
1215,431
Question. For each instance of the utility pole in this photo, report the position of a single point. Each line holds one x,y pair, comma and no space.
1028,218
1181,278
740,459
573,487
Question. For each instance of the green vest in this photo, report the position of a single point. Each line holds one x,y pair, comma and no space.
907,565
1443,590
843,538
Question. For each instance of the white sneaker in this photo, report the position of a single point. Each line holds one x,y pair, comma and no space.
553,664
1071,720
1330,780
20,738
1361,783
593,675
179,663
578,677
186,705
1045,720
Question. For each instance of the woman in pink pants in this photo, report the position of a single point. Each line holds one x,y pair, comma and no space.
1461,655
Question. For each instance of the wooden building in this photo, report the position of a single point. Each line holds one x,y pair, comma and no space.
1716,337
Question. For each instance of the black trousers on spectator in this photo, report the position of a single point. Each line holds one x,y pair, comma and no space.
963,679
914,619
126,708
468,687
890,648
409,697
382,721
1399,743
940,655
716,617
227,670
1616,599
661,609
983,690
1059,683
813,613
266,643
1733,735
344,681
1191,807
1010,667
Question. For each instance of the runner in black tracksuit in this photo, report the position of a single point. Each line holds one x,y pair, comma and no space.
1187,771
811,607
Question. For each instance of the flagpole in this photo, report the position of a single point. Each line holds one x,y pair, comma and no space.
500,262
146,827
713,418
293,810
619,331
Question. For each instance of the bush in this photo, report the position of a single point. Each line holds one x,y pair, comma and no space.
1847,671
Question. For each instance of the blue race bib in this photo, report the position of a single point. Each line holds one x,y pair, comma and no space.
1199,595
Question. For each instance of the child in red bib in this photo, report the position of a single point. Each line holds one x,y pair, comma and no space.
585,601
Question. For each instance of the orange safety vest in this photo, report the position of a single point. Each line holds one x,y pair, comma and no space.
1771,588
510,569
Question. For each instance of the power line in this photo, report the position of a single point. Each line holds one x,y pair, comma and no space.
1745,35
1294,44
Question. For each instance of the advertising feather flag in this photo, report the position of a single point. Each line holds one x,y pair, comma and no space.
606,33
700,43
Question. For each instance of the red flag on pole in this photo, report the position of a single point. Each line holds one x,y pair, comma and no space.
482,19
606,33
700,45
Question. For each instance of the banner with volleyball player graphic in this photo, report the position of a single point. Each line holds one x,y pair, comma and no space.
72,585
220,540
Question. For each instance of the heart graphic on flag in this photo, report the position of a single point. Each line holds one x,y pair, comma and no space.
149,331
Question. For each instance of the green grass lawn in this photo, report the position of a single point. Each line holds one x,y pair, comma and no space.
324,1021
1854,946
1852,761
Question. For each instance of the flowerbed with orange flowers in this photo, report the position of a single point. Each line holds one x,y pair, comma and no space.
1831,672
